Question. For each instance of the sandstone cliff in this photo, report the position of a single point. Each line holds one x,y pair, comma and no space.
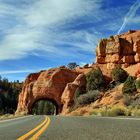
121,49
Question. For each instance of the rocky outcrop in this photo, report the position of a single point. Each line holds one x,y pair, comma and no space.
121,49
68,94
48,85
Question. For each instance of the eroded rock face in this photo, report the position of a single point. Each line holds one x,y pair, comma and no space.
48,84
121,49
68,94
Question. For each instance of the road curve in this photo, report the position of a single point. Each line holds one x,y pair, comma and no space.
15,128
73,128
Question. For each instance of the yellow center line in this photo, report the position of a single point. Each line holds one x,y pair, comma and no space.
33,130
41,130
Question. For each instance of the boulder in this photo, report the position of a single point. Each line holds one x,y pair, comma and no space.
136,47
137,58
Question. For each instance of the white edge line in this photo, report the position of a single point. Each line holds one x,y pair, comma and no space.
117,118
8,120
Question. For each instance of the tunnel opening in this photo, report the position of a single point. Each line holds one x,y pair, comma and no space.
44,107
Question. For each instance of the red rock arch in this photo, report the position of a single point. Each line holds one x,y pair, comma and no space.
48,84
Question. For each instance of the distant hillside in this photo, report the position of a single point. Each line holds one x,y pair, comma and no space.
9,92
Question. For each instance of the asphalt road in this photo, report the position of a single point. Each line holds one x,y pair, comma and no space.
72,128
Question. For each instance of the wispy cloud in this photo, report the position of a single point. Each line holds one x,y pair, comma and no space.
35,24
3,72
129,15
135,20
15,71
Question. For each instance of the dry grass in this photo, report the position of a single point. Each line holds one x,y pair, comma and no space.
111,111
135,112
116,111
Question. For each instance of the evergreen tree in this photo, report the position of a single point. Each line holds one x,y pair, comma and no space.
95,79
129,86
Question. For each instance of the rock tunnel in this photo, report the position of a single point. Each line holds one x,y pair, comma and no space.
56,108
57,85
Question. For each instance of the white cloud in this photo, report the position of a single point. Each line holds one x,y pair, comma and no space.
5,8
15,71
82,40
81,64
53,11
135,20
32,31
17,44
131,13
91,40
3,72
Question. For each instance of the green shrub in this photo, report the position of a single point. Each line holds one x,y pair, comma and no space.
102,112
87,98
137,83
118,74
129,86
95,79
80,91
72,65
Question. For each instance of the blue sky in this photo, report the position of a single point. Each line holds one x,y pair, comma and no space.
40,34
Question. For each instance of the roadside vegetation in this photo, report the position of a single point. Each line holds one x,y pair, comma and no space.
96,87
116,111
10,116
89,94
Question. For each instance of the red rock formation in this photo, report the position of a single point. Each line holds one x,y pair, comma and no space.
59,84
120,49
137,74
48,84
68,94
